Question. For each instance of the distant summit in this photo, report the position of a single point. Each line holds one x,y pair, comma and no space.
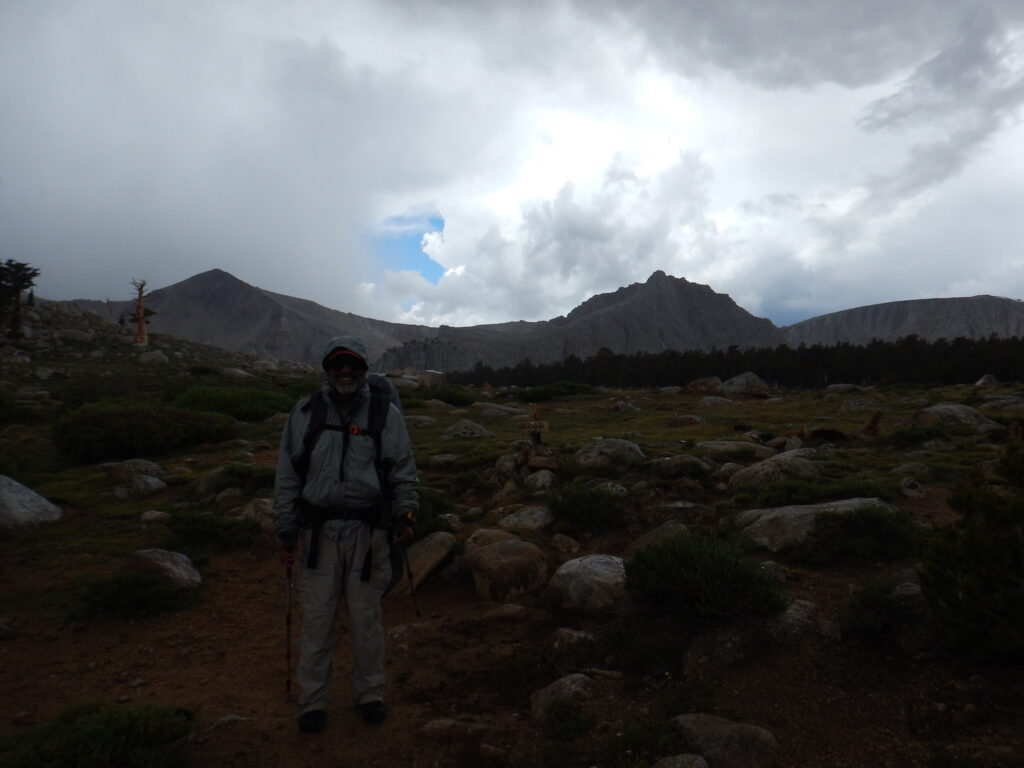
662,313
217,308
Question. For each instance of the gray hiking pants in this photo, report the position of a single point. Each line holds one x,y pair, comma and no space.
337,575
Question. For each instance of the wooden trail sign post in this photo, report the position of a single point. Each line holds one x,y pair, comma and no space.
535,426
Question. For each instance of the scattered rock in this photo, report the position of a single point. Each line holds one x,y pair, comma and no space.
507,568
569,649
954,415
682,761
261,512
714,401
420,421
125,471
464,429
173,566
791,464
452,522
145,485
778,527
21,507
566,544
424,557
571,688
155,516
911,488
590,584
682,465
709,384
746,385
541,480
609,453
528,519
664,531
725,743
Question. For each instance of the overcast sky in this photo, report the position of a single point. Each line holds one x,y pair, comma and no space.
465,162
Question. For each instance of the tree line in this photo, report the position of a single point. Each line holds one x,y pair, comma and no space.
909,360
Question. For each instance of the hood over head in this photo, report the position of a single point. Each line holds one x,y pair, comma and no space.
350,344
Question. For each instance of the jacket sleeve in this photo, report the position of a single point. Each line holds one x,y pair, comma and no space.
402,479
287,483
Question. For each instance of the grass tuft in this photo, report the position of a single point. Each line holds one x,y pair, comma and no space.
701,578
101,736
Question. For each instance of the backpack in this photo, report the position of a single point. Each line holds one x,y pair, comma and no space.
382,395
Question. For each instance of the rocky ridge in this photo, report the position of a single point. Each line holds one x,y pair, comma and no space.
662,313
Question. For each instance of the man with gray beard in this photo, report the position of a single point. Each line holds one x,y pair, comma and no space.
345,493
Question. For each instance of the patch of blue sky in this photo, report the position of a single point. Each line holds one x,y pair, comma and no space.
398,245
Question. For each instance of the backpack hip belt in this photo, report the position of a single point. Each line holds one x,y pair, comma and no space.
314,517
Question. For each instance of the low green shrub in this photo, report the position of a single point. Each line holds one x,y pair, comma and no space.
203,369
124,430
251,478
101,736
410,400
83,390
200,535
874,614
432,505
648,643
566,720
1011,462
10,412
553,391
913,436
580,508
131,595
874,532
973,573
470,480
974,580
798,491
242,403
447,393
701,578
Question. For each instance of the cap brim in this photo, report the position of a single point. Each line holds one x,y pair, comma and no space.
344,353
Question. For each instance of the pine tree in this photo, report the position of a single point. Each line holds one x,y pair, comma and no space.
15,277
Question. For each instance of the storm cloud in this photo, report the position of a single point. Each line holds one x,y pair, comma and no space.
802,159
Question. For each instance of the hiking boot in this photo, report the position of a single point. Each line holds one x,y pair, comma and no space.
373,711
312,721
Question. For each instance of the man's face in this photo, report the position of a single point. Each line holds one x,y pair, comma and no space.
346,374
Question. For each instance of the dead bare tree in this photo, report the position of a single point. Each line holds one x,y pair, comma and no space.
140,312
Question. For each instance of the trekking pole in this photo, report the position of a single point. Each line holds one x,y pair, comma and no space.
412,582
288,634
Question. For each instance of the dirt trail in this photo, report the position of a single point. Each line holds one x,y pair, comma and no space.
828,702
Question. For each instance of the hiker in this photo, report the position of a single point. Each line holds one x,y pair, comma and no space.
344,500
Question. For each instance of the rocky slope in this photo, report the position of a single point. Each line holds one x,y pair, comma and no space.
662,313
217,308
975,317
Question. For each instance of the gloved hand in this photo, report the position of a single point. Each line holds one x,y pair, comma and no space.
289,547
401,530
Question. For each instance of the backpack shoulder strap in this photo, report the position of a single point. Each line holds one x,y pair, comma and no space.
317,410
380,404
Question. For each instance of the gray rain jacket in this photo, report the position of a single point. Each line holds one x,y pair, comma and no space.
356,485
